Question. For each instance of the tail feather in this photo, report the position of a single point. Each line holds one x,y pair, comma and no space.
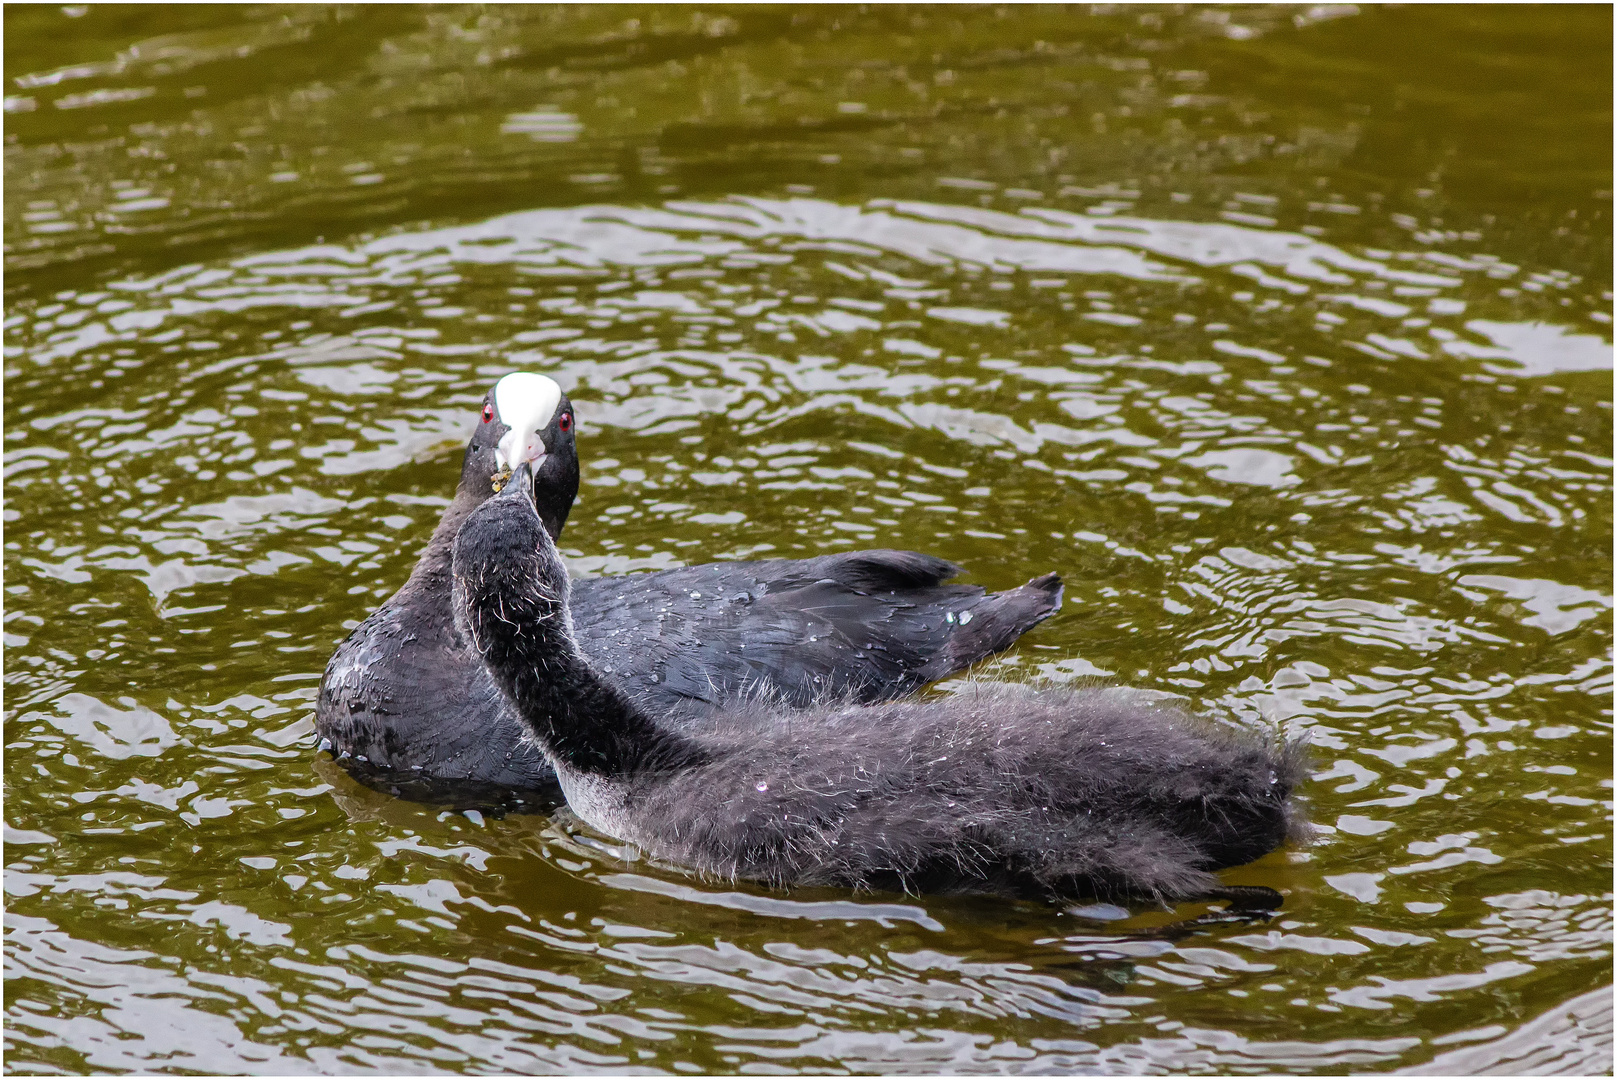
996,621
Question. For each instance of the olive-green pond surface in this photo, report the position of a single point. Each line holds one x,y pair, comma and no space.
1282,333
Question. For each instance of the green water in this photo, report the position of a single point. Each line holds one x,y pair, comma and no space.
1283,334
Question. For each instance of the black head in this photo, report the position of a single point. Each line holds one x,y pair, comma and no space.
507,572
555,482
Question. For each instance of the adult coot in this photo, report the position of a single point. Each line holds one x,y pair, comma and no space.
406,707
1055,793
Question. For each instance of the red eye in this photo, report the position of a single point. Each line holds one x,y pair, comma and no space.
488,413
566,421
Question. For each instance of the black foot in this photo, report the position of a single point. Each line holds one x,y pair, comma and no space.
1248,897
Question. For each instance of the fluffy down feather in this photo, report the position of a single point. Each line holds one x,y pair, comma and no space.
1053,792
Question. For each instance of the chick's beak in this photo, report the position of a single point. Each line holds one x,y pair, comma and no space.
520,483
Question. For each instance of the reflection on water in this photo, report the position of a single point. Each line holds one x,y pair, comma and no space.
1304,457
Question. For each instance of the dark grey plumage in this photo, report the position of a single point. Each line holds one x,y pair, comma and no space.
1052,792
405,706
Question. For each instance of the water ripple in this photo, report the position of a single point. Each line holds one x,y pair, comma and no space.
1342,482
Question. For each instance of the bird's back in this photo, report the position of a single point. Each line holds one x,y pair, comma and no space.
408,708
865,625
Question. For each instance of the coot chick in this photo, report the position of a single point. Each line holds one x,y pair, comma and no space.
1056,793
407,708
